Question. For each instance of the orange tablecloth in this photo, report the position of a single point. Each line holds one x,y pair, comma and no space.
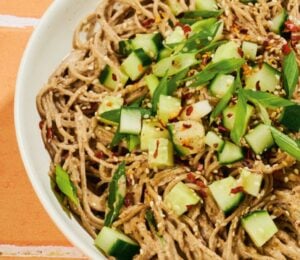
23,221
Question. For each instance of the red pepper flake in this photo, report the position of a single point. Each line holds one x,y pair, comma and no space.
128,181
186,125
295,37
147,22
286,49
49,134
202,193
188,146
222,128
99,154
189,207
229,115
191,177
114,77
291,27
200,167
243,31
189,110
186,96
129,199
237,190
200,184
240,51
41,124
186,29
257,85
156,149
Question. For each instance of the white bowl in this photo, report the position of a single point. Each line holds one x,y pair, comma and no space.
49,44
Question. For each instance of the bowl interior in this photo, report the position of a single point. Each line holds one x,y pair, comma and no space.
49,44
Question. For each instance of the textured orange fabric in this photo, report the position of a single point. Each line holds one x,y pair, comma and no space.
23,221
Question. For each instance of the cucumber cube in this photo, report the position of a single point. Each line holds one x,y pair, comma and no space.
152,82
230,153
214,141
175,6
251,182
187,136
176,36
160,153
136,64
260,138
221,84
196,111
206,5
152,129
112,80
173,64
114,243
130,121
168,108
109,103
259,226
265,78
226,51
221,192
249,49
180,197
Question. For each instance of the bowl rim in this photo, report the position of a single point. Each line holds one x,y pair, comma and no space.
21,75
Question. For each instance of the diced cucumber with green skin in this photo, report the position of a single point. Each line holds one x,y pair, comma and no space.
152,82
230,153
196,111
249,49
168,108
160,153
260,138
132,142
265,78
187,136
229,116
175,6
251,182
130,121
206,5
277,23
150,43
173,64
176,36
259,226
221,84
152,129
164,53
180,197
112,80
125,47
221,192
214,141
226,51
114,243
136,63
109,103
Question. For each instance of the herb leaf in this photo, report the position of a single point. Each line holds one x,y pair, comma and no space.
263,114
117,192
65,185
240,125
286,143
290,73
112,115
117,138
211,70
203,14
291,118
266,99
224,101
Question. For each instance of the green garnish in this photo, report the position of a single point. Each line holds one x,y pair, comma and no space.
117,192
290,73
286,143
65,185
